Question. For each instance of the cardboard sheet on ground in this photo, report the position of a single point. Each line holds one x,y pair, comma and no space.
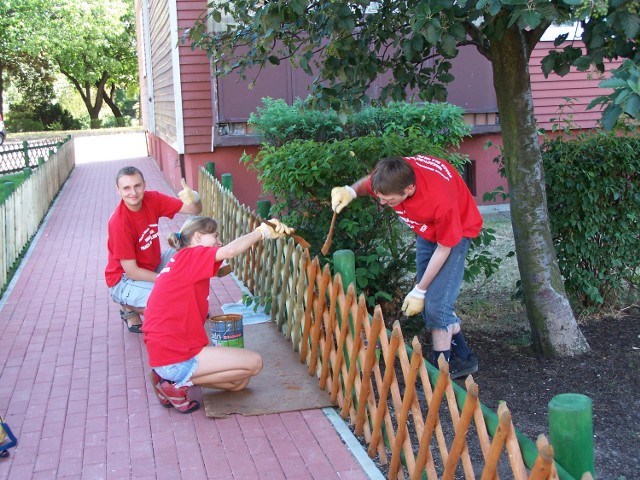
283,385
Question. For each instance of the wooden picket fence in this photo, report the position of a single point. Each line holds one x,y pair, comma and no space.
23,211
412,416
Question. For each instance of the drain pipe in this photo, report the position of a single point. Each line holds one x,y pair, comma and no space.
181,161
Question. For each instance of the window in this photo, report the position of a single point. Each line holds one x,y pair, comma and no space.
469,176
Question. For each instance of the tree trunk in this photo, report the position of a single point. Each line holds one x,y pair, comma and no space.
108,99
554,329
93,107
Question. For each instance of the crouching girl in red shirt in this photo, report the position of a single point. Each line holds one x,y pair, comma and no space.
174,333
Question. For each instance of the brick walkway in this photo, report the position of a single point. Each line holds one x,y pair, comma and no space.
73,380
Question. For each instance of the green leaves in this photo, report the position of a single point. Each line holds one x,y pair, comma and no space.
530,18
300,174
630,25
625,98
91,42
346,49
593,187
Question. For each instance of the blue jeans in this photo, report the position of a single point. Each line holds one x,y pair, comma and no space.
443,292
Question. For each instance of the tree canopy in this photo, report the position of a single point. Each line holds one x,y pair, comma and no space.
346,46
92,43
22,25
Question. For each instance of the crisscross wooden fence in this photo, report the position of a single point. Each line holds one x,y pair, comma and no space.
412,416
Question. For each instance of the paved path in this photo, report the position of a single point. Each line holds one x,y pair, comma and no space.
73,384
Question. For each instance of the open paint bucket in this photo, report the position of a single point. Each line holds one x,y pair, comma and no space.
226,330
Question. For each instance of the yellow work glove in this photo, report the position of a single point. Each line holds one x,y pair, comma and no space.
341,197
414,302
278,230
188,196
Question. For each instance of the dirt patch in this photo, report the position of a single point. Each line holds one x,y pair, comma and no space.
496,328
608,375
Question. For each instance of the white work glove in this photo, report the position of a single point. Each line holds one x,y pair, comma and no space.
341,197
278,230
414,302
188,196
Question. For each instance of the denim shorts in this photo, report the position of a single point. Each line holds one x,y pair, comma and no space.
179,373
439,311
135,293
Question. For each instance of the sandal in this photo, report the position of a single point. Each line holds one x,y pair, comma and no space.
178,396
155,381
125,315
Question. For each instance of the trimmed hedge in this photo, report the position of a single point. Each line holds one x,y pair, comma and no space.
593,194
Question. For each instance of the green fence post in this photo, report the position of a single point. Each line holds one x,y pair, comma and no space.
210,168
263,207
27,172
25,150
344,262
40,161
226,181
52,152
571,433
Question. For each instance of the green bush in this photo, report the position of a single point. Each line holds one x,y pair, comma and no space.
278,123
593,191
45,116
112,122
301,173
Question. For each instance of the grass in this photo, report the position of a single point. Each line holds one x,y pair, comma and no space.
9,183
489,304
21,136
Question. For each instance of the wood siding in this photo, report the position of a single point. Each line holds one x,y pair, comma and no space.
564,99
162,97
197,86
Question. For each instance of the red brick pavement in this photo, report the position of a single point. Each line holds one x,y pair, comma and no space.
73,380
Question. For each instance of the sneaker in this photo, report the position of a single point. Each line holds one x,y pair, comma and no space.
155,381
178,396
461,368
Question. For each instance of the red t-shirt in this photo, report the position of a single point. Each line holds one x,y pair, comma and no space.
134,235
442,209
178,306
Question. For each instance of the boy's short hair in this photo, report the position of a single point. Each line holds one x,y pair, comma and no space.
127,172
392,175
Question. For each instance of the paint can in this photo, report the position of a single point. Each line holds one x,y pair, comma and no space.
226,330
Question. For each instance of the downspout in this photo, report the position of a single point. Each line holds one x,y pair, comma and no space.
182,169
177,84
148,66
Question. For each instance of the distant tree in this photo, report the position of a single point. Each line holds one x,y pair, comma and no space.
345,46
22,23
93,44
